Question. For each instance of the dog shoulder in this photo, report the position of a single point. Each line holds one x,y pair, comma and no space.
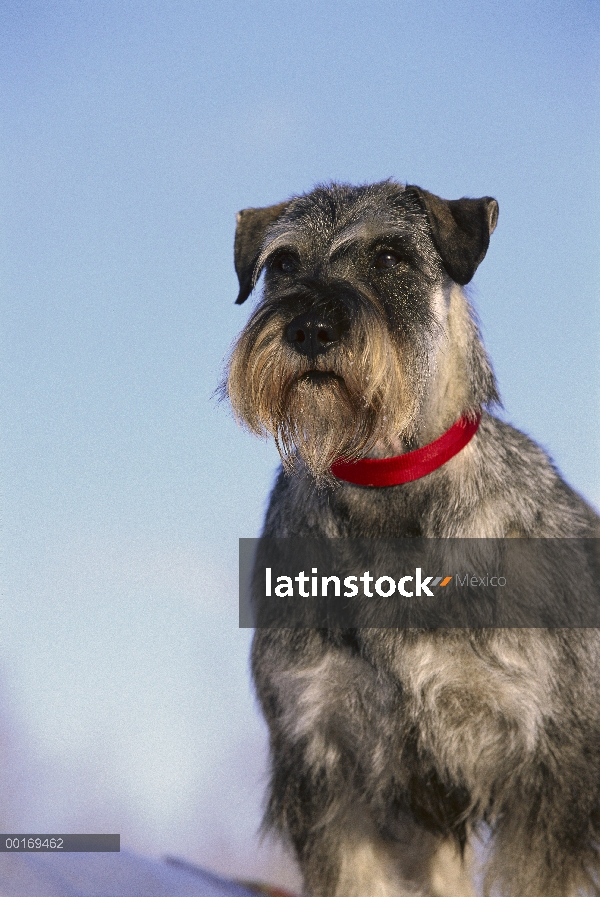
520,471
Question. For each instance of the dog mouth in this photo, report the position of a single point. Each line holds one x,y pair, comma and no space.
319,378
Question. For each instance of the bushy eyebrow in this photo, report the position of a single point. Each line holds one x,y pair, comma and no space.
284,240
362,233
369,235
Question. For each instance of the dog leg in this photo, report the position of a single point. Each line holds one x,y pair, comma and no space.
450,873
417,864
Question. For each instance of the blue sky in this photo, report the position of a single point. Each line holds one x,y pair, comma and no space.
135,132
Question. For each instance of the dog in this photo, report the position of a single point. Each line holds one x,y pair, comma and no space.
393,750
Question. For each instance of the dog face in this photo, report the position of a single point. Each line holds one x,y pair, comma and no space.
340,351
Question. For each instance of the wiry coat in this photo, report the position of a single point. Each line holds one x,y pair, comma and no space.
392,748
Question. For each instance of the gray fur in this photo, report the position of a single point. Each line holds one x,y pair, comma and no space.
392,749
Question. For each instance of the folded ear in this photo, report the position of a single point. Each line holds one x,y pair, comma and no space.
460,229
250,232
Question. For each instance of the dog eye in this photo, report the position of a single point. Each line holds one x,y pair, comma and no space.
286,263
387,259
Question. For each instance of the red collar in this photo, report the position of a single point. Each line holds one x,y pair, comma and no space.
412,465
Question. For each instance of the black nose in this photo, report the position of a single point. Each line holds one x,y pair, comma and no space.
312,333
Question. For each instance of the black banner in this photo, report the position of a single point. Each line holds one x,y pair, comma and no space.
419,583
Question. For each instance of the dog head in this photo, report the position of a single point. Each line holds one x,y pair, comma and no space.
360,316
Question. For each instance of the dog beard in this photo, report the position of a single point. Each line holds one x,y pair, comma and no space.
336,406
322,421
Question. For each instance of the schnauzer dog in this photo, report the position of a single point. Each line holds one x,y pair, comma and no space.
393,749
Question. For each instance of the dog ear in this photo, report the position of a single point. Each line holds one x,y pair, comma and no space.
250,232
460,229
